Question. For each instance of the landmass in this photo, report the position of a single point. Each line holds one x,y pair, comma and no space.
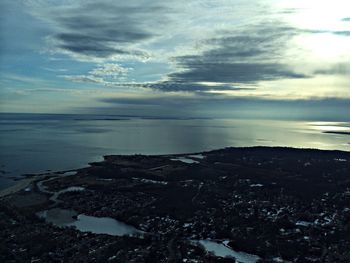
256,204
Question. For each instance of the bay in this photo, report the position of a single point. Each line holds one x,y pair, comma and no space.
35,143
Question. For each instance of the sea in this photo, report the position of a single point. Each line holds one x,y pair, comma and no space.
38,143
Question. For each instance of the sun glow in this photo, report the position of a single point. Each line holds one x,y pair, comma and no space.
330,126
318,14
323,38
325,46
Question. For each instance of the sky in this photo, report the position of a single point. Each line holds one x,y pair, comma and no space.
286,59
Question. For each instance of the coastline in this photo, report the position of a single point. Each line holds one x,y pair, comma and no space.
252,198
28,180
19,185
23,183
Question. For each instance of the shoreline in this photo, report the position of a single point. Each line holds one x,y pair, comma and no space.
252,198
20,185
28,179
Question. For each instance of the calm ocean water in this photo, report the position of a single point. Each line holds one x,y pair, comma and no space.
34,143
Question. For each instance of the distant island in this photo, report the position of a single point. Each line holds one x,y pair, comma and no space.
258,204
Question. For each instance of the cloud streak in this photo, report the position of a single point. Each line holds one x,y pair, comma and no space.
237,107
342,33
231,59
89,30
234,58
198,47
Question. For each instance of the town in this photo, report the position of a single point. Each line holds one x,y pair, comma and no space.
259,204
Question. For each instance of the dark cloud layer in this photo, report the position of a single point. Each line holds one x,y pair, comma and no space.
337,69
188,85
243,57
342,33
239,107
105,29
233,72
164,100
231,59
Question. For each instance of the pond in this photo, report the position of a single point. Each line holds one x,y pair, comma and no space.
85,223
221,250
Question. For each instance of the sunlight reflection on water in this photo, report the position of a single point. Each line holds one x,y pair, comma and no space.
36,144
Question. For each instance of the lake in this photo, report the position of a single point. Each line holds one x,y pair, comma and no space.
34,143
84,223
221,250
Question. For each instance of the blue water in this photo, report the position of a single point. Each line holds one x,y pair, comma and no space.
33,143
84,223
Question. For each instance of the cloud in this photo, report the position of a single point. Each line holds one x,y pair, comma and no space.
184,98
110,69
231,60
196,87
337,69
84,79
155,100
240,73
332,109
108,74
342,33
163,86
88,30
247,44
234,58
